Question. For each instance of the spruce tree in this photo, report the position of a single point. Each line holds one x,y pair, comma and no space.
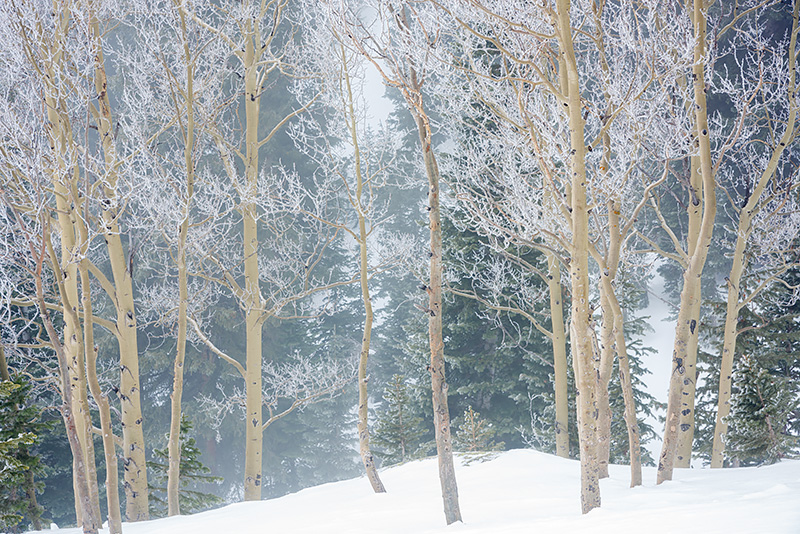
474,434
761,408
398,429
192,472
19,464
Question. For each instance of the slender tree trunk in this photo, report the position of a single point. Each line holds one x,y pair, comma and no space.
252,297
604,368
174,443
441,413
579,272
686,327
363,398
694,210
64,177
135,470
559,357
88,520
4,374
112,478
739,262
363,395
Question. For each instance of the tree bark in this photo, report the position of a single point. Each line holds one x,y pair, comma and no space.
744,230
559,356
64,177
135,470
686,327
174,443
363,394
252,298
441,413
694,210
579,272
89,521
112,478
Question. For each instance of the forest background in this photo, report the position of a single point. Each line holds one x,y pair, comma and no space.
199,214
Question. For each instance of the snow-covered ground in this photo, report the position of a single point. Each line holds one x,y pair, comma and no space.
520,491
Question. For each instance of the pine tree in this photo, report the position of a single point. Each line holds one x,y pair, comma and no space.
19,465
192,472
761,406
474,434
397,429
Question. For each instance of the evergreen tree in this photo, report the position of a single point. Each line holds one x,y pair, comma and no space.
20,426
761,407
398,430
192,473
474,434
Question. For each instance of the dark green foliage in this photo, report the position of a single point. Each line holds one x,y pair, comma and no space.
20,426
769,334
646,404
192,473
398,431
759,423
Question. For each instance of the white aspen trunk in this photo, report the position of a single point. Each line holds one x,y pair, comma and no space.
441,413
89,521
135,468
109,452
252,298
604,367
63,176
694,210
686,327
176,411
363,393
579,273
559,357
739,262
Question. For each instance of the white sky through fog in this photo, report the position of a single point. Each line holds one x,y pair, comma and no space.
660,363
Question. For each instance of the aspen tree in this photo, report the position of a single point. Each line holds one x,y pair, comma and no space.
526,84
400,49
765,205
66,67
346,193
686,328
257,38
176,71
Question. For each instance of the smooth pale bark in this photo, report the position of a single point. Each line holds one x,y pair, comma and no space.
683,456
579,272
614,309
412,90
558,339
135,469
89,521
63,177
739,262
112,478
613,335
252,295
363,264
4,374
174,443
604,367
441,413
686,327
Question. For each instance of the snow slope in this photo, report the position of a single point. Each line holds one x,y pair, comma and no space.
520,491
